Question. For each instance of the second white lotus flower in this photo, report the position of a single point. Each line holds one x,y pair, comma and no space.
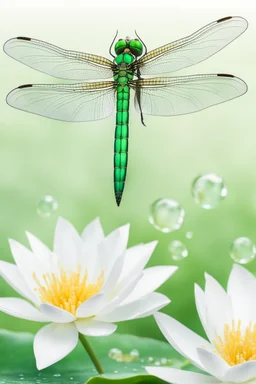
229,320
83,287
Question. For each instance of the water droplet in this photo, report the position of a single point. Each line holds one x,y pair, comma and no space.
71,378
189,235
209,190
166,215
46,206
115,354
243,250
142,360
163,361
150,359
177,250
157,362
135,354
57,375
115,371
135,370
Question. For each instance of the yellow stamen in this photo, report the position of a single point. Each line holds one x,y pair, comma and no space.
67,290
237,346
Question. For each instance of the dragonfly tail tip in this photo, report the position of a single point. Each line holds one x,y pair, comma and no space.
118,199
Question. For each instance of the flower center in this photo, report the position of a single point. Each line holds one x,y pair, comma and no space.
237,346
67,290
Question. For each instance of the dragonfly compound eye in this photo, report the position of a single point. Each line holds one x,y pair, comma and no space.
136,47
120,46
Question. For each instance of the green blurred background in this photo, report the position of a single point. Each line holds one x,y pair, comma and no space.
74,162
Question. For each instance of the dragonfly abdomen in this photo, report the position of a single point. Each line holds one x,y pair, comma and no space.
122,77
121,141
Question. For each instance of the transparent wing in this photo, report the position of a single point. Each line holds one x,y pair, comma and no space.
194,48
76,102
58,62
170,96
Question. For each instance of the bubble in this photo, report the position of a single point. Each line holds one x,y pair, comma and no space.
242,250
189,235
209,190
177,250
46,206
166,215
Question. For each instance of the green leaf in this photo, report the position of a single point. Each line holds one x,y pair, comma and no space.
17,361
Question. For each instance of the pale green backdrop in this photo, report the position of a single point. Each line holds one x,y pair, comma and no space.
74,161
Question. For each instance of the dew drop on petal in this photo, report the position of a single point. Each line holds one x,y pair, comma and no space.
46,206
166,215
242,250
189,235
177,250
209,190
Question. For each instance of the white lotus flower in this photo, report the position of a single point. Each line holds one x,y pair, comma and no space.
85,285
229,320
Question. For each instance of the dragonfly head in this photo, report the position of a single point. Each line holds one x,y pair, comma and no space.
134,46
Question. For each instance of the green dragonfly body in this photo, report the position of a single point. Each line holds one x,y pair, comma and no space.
122,122
158,96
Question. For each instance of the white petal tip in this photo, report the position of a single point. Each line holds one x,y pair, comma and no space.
40,365
159,316
150,370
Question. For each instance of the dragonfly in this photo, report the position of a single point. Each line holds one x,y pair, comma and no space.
130,69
